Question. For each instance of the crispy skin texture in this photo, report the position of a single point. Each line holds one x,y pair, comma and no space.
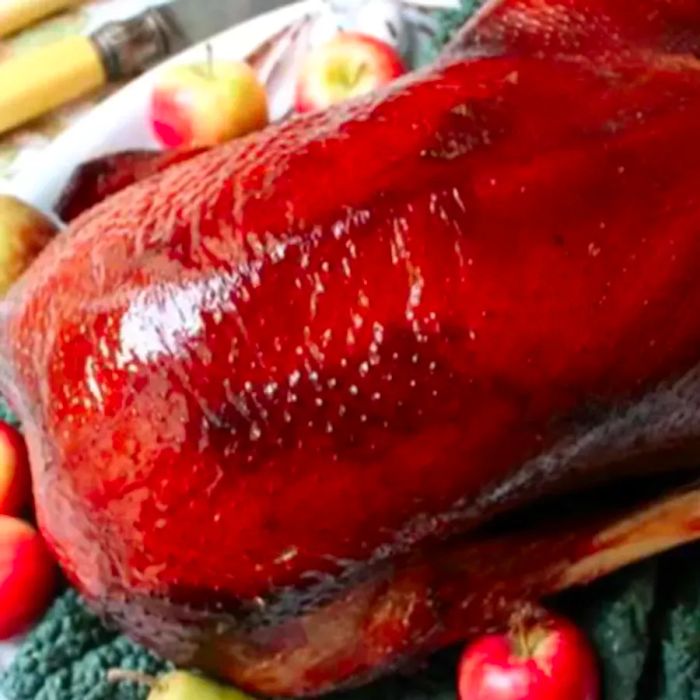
601,28
102,177
260,386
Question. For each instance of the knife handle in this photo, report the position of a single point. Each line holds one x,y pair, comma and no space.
17,14
43,79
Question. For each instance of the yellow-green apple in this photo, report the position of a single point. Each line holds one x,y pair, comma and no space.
14,471
179,685
207,104
349,65
27,576
23,234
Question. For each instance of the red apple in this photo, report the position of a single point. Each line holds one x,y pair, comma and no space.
349,65
14,471
540,660
27,576
207,104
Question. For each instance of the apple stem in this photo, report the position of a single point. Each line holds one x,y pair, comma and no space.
361,70
522,642
210,59
119,675
527,629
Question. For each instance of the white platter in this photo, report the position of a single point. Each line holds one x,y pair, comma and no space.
119,123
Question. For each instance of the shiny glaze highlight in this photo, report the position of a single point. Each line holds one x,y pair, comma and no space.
259,383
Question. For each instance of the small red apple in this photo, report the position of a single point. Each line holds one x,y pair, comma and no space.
27,576
15,490
545,659
349,65
207,104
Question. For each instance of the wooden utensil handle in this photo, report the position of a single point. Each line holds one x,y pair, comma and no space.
43,79
17,14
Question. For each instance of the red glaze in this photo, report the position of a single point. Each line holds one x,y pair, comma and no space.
545,660
98,179
609,28
290,362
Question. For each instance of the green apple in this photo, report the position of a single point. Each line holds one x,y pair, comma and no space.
23,234
178,685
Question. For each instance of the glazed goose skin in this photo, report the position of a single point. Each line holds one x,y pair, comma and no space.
607,29
102,177
262,386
